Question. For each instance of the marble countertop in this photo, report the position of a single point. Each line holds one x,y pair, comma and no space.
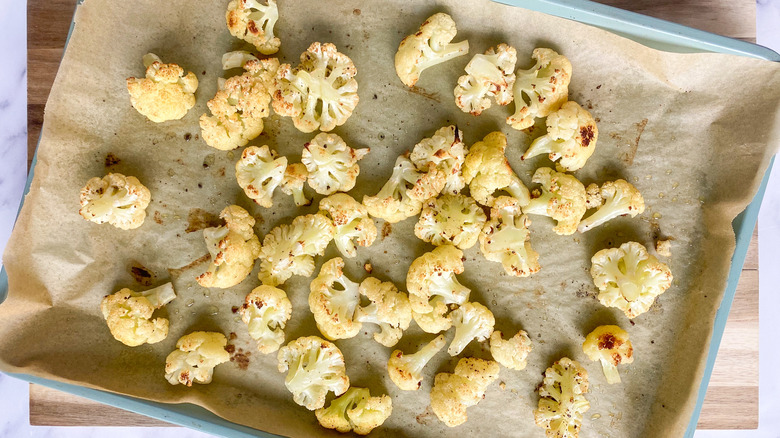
14,398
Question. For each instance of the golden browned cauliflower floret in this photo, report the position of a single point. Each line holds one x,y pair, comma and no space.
352,224
166,93
450,219
473,322
117,199
430,45
128,315
571,138
405,370
289,249
453,393
316,367
487,170
562,401
541,89
259,172
332,165
513,352
233,248
446,150
505,238
263,70
617,198
488,75
610,345
389,308
433,273
334,301
195,358
434,320
402,195
355,411
266,311
295,177
562,197
254,23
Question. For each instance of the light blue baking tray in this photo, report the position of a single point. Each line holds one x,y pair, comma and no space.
652,32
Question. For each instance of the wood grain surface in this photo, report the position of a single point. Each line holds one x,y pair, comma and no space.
732,397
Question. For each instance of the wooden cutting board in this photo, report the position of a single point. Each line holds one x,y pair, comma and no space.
732,396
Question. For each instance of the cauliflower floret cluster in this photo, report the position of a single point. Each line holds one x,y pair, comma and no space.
571,137
450,219
616,198
513,352
472,321
629,278
355,411
334,301
405,370
433,274
295,176
128,315
562,401
389,309
321,92
562,197
266,311
505,238
316,367
403,194
166,93
540,90
254,23
332,165
430,45
117,199
453,393
487,170
434,319
259,172
351,222
610,345
487,76
195,358
234,248
447,152
289,249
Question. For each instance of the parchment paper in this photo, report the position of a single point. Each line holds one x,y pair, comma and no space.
693,132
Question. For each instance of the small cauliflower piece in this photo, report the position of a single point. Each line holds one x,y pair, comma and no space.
320,93
450,219
629,278
117,199
447,152
289,249
405,370
401,196
541,89
571,137
259,172
128,315
234,248
513,352
430,45
433,273
389,309
166,93
487,170
472,321
295,177
334,301
195,358
351,222
664,248
434,320
610,345
488,75
355,411
266,311
505,238
562,197
316,366
562,401
619,199
254,23
332,165
453,393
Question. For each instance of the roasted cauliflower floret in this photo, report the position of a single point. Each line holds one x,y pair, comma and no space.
289,249
453,393
117,199
351,222
259,172
541,89
195,358
562,401
389,309
450,219
320,93
332,165
513,352
266,311
263,70
487,170
433,273
401,196
355,411
505,238
254,23
610,345
430,45
295,177
562,197
128,315
571,138
487,76
433,320
166,93
447,152
472,321
619,199
316,366
234,248
405,370
629,278
334,301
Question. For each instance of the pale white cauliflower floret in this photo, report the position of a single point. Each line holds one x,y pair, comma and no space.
571,138
352,224
128,315
446,150
254,23
166,93
195,358
332,165
505,238
487,170
234,248
453,219
429,46
453,393
609,344
316,367
355,411
540,90
405,370
487,76
295,177
117,199
472,321
619,198
334,301
266,311
562,197
513,352
402,195
289,249
259,172
433,320
389,309
433,273
562,403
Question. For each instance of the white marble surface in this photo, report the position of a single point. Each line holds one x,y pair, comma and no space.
14,406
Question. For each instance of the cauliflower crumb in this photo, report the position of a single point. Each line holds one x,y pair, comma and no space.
195,358
128,315
664,248
332,165
166,93
117,199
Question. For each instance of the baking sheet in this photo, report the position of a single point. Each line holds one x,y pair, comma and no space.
66,265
